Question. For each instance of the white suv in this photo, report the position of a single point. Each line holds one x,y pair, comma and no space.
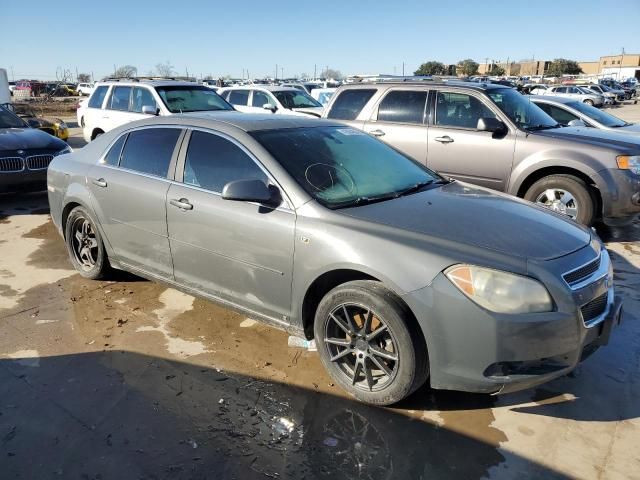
84,89
276,99
116,102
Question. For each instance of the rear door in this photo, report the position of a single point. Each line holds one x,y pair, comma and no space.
457,149
239,98
129,186
347,105
400,120
236,251
116,112
93,112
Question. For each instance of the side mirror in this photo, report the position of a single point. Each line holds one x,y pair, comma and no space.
576,123
247,191
489,124
150,110
270,107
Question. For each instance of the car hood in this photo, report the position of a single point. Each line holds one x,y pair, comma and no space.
633,128
460,213
593,136
315,111
28,138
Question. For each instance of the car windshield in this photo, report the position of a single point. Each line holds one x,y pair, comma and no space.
187,98
9,120
520,110
344,167
296,99
599,116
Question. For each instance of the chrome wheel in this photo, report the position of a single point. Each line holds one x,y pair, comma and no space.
85,244
363,347
560,201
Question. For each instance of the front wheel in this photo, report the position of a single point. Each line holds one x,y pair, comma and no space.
85,246
368,343
564,194
589,102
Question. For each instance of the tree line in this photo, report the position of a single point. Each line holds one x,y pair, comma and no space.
468,67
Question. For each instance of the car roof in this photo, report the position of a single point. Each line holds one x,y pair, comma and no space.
270,88
480,86
553,99
154,83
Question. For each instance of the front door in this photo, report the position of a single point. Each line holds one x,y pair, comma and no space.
457,149
129,187
237,251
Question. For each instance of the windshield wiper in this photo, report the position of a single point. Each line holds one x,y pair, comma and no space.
360,201
418,186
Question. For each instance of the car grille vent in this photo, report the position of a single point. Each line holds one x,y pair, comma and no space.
581,273
594,308
39,162
11,164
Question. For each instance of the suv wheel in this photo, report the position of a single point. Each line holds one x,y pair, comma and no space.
564,194
85,245
368,344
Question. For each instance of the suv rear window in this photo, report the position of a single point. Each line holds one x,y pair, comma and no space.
98,97
402,106
349,104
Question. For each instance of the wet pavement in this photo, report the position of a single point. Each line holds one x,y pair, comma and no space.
129,379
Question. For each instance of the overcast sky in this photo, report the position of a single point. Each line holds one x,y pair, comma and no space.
37,38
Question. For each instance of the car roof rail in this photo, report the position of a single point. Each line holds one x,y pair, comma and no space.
148,78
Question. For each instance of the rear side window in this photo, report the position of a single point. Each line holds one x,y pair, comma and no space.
150,150
403,107
113,156
120,98
98,97
142,97
239,97
349,104
213,161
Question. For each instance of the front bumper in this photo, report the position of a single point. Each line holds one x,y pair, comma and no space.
23,181
474,350
620,192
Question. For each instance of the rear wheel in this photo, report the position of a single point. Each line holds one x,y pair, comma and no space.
85,246
564,194
369,344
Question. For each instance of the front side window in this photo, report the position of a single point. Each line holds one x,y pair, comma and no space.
403,107
349,104
213,161
150,150
97,98
239,97
113,156
460,110
142,97
260,99
342,166
191,98
120,98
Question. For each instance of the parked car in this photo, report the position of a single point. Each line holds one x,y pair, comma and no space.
564,111
590,98
400,275
616,87
322,95
304,86
495,137
53,126
12,87
276,99
534,89
609,96
80,109
84,89
212,84
116,102
25,154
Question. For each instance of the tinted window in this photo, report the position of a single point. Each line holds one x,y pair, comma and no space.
120,98
188,98
150,150
9,120
403,106
349,104
142,97
113,157
213,161
239,97
460,110
560,90
98,97
259,99
560,115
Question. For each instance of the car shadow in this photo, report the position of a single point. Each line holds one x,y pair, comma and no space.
24,203
119,414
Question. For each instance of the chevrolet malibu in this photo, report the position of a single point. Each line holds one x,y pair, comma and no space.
401,276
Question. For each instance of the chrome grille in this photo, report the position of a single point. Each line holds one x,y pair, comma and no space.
594,308
39,162
578,275
11,164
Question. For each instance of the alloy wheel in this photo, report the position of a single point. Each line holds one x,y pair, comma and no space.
560,201
85,244
360,342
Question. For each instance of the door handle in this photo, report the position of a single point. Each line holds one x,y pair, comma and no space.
445,139
182,204
377,133
100,182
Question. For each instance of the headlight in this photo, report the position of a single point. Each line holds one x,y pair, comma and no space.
500,291
66,149
629,162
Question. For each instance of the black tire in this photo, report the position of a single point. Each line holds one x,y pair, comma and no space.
93,264
589,102
400,338
584,198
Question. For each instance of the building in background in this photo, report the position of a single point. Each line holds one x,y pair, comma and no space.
590,68
620,67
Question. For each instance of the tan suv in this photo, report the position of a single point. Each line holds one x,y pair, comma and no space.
493,136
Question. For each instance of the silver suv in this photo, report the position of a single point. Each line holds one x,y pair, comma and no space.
493,136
